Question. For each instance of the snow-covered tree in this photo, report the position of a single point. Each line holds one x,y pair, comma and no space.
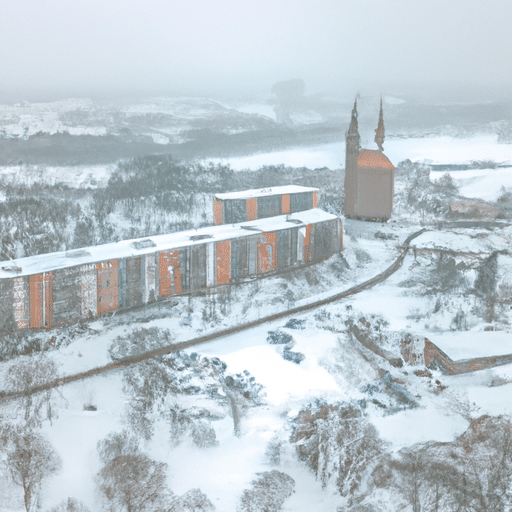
29,459
70,505
23,377
471,474
192,501
154,388
129,480
268,492
339,445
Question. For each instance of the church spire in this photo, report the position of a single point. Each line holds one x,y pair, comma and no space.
353,129
379,132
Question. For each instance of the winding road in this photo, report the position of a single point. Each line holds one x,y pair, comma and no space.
128,361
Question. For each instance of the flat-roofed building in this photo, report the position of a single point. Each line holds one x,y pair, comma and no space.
261,203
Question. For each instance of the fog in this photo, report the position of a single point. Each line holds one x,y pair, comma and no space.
63,48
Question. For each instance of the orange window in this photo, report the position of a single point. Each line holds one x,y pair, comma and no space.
169,273
315,199
285,203
41,300
307,239
267,252
217,212
252,209
223,250
107,286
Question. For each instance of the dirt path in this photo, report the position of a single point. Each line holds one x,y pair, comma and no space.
128,361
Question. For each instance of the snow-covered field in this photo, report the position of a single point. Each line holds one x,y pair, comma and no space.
161,118
484,184
221,472
466,240
443,150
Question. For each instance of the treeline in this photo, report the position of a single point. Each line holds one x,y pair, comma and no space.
471,473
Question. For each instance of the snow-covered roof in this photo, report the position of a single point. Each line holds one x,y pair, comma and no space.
147,245
261,192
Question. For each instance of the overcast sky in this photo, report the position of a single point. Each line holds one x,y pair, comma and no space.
61,48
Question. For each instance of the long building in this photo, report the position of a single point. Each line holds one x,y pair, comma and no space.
53,289
233,207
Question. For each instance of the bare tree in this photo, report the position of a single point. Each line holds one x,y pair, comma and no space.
117,444
29,459
23,377
338,444
410,467
70,505
484,458
268,493
129,480
192,501
471,474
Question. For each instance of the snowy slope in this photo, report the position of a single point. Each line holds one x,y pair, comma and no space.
333,370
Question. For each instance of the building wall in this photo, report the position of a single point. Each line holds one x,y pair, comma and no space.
107,286
351,155
7,320
67,295
374,194
435,358
21,302
89,290
86,291
233,211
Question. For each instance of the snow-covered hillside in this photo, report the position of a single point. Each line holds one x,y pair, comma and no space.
229,410
165,119
334,370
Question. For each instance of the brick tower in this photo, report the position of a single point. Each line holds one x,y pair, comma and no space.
369,175
351,155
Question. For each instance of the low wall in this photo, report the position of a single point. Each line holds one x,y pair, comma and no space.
436,359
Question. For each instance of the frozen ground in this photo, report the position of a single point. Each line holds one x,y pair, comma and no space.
449,150
466,240
314,157
484,184
260,109
445,150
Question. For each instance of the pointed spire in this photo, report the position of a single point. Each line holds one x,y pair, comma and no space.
353,129
379,132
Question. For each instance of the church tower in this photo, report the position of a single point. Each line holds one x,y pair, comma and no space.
352,139
379,132
369,175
